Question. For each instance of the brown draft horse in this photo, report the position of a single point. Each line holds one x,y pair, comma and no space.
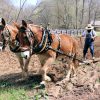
2,40
65,43
8,34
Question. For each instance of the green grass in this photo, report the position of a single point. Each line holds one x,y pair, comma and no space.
9,91
98,33
21,94
13,94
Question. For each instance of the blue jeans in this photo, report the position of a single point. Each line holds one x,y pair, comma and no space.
86,46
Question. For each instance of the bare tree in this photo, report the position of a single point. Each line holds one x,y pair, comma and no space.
89,11
83,3
76,12
21,7
59,13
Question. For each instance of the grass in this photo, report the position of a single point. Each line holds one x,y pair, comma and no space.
9,91
98,33
13,94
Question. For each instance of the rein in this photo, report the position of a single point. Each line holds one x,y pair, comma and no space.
60,52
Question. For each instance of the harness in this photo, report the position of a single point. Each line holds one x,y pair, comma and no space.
44,46
17,42
38,48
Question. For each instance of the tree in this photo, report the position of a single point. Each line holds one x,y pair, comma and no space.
21,7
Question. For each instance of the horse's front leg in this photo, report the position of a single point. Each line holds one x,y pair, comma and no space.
47,64
25,67
20,59
24,62
26,58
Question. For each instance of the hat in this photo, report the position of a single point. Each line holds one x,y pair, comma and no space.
89,27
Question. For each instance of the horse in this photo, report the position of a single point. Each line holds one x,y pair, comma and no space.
49,51
8,35
2,39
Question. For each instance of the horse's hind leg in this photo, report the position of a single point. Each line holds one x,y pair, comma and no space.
76,64
70,71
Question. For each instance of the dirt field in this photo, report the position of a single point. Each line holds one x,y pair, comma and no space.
85,86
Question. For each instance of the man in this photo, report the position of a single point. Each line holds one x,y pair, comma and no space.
89,35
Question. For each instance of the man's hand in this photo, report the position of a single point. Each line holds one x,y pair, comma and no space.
93,38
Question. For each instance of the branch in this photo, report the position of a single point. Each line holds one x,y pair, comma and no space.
21,7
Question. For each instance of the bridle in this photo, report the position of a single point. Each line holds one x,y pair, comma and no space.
27,38
35,46
3,41
7,36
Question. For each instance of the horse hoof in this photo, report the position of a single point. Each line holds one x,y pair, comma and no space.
47,78
43,84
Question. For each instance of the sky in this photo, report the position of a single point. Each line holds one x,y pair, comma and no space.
28,2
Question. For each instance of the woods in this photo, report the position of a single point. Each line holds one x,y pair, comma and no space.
66,14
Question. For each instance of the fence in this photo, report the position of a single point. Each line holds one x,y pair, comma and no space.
69,31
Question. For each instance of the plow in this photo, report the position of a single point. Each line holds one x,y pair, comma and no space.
90,61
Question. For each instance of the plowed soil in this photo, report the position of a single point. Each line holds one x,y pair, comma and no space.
84,86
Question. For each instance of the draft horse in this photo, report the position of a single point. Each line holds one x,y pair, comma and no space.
8,35
48,51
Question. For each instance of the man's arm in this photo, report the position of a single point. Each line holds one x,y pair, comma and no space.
83,34
94,35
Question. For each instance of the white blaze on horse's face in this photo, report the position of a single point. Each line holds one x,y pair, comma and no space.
25,54
1,48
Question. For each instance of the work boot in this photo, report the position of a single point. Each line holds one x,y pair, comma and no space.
93,58
84,58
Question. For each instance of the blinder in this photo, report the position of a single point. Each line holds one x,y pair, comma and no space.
28,32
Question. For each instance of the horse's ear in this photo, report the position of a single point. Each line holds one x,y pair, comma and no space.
3,21
24,23
16,25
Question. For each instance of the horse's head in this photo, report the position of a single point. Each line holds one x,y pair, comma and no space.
2,39
31,36
11,32
7,34
24,36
